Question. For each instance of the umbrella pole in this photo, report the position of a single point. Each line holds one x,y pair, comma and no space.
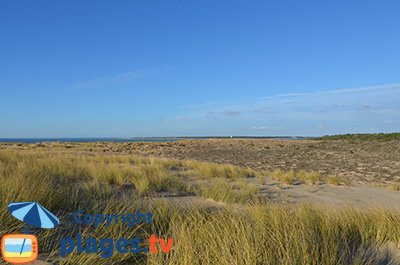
26,229
22,248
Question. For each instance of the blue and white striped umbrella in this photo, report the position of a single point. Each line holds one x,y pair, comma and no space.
34,214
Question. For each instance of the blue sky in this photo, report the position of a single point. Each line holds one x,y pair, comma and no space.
175,68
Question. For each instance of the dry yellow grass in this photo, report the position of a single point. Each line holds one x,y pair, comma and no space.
335,180
231,192
313,178
246,233
395,186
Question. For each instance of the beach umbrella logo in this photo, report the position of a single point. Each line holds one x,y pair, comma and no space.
33,214
23,248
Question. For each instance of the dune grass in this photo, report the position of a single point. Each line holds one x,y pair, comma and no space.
303,177
30,175
335,180
286,177
276,234
231,192
242,231
395,186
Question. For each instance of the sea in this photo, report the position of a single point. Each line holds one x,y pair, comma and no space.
141,139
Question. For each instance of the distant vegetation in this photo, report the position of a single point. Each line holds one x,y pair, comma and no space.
363,136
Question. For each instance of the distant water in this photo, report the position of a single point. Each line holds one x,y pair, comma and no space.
137,139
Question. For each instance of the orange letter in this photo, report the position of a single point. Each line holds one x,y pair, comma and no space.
153,240
166,248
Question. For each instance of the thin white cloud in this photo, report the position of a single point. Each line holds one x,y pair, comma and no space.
115,80
337,91
345,110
